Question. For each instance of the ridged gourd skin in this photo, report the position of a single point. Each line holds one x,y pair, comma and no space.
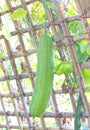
44,77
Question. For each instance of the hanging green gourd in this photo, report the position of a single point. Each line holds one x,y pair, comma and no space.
44,76
77,120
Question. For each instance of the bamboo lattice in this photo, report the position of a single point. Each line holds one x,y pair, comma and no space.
14,102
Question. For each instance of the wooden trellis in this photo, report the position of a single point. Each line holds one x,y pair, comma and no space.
17,93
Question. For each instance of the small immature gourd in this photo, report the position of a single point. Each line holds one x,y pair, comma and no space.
44,76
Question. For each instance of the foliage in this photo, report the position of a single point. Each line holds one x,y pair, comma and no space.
37,12
62,67
1,54
86,75
88,51
81,51
81,47
18,13
75,28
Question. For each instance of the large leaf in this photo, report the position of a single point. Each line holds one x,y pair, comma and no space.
57,64
86,75
82,57
81,52
60,69
83,46
67,67
19,13
64,68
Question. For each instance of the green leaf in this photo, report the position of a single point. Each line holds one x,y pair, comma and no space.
81,51
71,11
37,12
64,68
1,55
19,13
88,51
73,82
86,75
82,57
60,69
75,28
83,46
87,90
67,67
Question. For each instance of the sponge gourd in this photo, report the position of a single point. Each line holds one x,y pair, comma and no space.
44,76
